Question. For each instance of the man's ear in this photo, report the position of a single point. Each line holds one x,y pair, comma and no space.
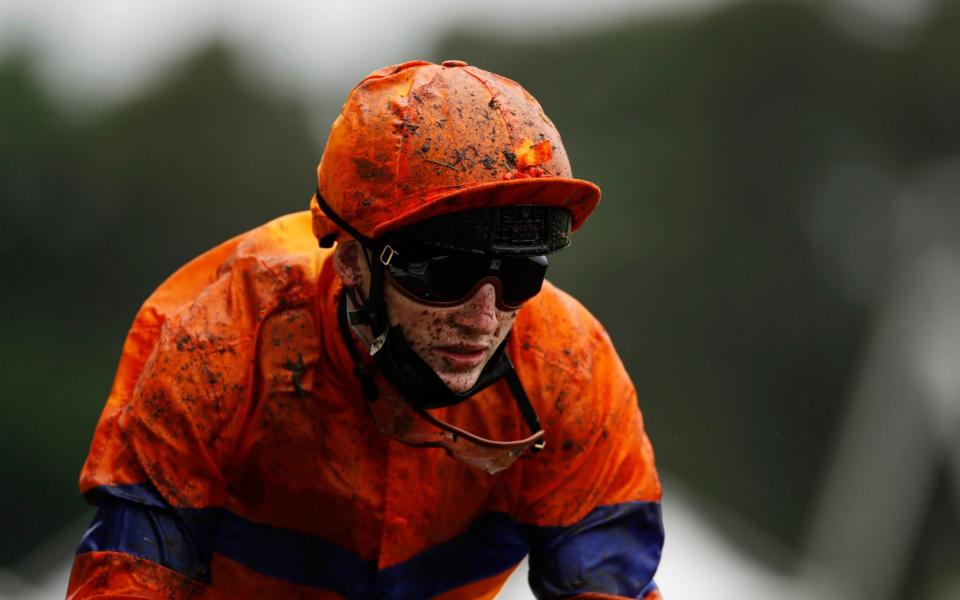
346,262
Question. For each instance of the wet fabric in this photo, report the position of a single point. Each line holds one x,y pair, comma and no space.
235,410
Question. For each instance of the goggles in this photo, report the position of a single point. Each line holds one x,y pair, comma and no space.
420,427
451,279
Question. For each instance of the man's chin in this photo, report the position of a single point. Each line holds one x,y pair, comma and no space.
460,382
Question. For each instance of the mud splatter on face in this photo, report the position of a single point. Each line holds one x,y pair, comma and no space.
458,341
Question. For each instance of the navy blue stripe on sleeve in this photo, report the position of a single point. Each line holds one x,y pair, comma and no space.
651,587
179,540
136,520
613,550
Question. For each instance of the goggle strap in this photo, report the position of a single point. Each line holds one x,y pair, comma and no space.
370,391
520,395
327,241
375,309
376,304
358,315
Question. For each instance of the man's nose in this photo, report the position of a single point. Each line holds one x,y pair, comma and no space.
479,313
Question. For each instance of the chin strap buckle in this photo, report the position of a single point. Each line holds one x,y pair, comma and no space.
378,343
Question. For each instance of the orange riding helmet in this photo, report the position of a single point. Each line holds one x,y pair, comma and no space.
419,140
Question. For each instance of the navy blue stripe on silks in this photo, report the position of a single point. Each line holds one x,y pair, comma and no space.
614,550
493,543
294,557
127,517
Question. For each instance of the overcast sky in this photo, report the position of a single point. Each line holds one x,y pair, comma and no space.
104,49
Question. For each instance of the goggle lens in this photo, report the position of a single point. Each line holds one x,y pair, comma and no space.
447,280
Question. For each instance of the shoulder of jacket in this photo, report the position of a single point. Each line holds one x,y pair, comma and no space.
556,329
284,253
269,266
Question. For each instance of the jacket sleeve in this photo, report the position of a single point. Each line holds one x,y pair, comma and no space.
142,550
172,421
592,499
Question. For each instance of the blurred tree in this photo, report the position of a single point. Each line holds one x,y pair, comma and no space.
95,215
38,363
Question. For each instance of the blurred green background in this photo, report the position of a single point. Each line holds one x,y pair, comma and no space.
720,260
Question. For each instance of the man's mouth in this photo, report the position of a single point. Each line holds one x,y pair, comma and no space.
463,357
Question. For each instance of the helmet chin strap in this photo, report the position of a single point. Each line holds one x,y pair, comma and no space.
417,382
372,310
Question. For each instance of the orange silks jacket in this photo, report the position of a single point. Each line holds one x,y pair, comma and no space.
234,457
